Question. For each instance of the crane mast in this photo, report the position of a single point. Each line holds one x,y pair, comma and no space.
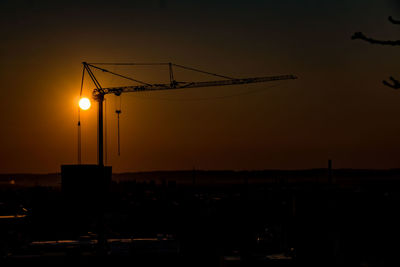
99,92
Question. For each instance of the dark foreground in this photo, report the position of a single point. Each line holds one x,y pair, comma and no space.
277,222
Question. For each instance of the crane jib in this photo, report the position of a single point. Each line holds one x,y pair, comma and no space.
182,85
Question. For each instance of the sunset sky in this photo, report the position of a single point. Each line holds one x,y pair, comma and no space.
338,108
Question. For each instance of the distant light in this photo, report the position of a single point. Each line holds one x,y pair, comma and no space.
84,103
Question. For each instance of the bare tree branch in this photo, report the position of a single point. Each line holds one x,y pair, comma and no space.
393,20
395,83
360,35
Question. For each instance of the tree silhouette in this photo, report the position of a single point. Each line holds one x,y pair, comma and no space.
395,84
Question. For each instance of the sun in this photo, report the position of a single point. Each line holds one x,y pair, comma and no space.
84,103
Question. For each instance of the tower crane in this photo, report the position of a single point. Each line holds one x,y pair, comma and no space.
99,92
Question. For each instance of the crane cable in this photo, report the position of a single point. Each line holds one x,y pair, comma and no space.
202,71
79,121
119,111
105,131
119,75
152,64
